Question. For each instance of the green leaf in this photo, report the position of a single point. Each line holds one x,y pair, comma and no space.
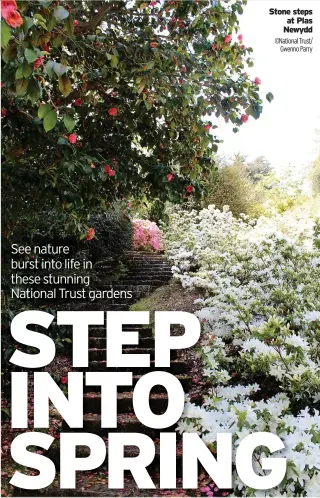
269,97
27,23
62,141
69,26
59,69
30,55
69,122
148,66
9,53
48,68
65,85
114,61
5,34
43,110
34,90
19,73
39,17
21,87
60,13
50,120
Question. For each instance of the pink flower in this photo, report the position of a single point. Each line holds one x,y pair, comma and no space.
228,39
72,138
78,102
38,62
14,19
64,380
8,6
109,171
242,46
146,235
240,38
257,81
113,111
153,4
205,489
170,177
75,22
184,69
189,189
90,234
244,118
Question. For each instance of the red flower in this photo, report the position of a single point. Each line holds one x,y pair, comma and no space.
38,62
242,46
2,84
153,44
90,234
189,189
228,39
109,171
8,6
240,38
113,111
75,22
46,48
4,112
257,81
72,138
153,4
64,380
14,19
207,127
170,177
78,102
244,118
184,69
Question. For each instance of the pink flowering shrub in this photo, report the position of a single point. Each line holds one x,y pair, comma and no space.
147,236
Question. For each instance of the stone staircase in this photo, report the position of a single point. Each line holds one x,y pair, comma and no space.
145,273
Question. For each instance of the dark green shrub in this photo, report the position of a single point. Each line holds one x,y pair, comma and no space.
113,230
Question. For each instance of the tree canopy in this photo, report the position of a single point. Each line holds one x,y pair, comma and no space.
112,100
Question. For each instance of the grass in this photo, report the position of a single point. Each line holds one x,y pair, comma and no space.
171,297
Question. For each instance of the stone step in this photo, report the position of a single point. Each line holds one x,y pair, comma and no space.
158,402
176,367
101,331
185,381
154,281
100,343
92,402
127,422
100,354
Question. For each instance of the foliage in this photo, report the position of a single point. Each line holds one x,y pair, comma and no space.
232,186
258,168
260,314
315,177
102,100
147,236
113,229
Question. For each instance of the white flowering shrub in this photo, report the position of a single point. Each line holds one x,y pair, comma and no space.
260,314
